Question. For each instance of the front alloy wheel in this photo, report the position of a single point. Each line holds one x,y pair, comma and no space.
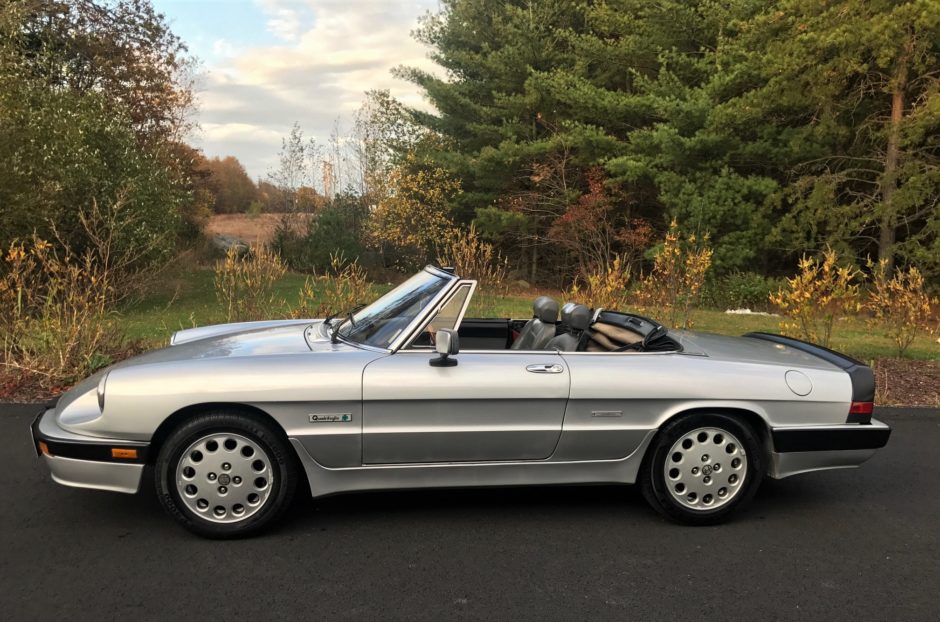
701,468
225,475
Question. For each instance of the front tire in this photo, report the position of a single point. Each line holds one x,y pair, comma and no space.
702,468
225,475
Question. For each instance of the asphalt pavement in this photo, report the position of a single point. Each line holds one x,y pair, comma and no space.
858,544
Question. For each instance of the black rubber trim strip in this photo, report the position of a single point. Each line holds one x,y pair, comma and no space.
831,439
99,452
34,430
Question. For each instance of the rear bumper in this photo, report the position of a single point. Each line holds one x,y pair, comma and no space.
88,462
816,448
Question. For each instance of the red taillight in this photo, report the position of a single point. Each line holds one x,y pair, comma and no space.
862,408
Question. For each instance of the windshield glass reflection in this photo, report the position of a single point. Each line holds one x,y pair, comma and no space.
383,321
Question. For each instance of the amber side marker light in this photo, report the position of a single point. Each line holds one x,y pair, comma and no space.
130,454
44,448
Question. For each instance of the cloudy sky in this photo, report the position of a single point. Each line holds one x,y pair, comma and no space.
269,63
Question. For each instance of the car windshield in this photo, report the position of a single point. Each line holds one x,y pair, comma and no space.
381,322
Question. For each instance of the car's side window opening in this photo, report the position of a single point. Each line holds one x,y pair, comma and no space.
446,317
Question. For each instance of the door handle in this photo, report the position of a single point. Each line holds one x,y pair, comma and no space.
553,368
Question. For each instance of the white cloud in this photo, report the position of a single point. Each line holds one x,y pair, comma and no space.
284,18
246,132
223,48
329,54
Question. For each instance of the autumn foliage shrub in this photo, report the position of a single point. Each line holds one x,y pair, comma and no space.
900,304
472,257
595,234
55,322
603,289
674,284
813,299
413,215
342,288
244,283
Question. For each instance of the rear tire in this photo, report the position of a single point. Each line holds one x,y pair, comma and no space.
226,475
702,468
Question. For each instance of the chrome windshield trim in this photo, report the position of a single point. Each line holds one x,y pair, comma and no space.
439,272
362,346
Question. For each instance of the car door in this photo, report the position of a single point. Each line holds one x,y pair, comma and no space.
491,406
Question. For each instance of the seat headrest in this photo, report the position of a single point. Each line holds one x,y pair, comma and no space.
577,317
545,309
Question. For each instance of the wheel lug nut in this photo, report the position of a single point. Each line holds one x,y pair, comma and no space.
717,467
704,459
237,480
212,477
226,466
222,490
694,470
707,479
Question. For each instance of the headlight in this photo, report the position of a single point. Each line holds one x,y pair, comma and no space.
101,384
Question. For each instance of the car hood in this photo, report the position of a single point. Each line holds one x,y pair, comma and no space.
231,340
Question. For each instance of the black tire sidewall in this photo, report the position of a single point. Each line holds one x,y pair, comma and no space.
653,477
283,463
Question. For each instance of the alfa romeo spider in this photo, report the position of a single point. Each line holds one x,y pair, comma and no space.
406,393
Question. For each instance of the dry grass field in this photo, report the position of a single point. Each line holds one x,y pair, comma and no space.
251,228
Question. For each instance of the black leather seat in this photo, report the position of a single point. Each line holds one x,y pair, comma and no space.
538,331
577,318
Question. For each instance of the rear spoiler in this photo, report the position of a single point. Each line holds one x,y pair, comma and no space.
863,378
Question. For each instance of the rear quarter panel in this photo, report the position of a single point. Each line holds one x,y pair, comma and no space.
650,388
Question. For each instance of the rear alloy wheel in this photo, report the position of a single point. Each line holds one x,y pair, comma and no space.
225,475
701,468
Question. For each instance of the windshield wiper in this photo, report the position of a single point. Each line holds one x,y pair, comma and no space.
349,317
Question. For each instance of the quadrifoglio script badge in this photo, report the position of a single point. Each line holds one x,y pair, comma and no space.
329,417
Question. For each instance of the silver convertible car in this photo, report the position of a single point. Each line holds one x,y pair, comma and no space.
407,393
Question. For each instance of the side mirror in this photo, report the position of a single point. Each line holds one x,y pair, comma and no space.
446,343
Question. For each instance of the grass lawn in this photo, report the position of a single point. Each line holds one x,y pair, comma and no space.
188,300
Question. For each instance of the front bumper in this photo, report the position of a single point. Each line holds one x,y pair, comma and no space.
816,448
88,462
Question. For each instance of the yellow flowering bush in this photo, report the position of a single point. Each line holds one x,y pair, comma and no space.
899,304
607,290
814,298
674,285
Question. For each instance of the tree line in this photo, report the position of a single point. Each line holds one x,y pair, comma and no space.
777,128
569,134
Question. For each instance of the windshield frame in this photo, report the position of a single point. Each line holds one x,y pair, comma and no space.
419,320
